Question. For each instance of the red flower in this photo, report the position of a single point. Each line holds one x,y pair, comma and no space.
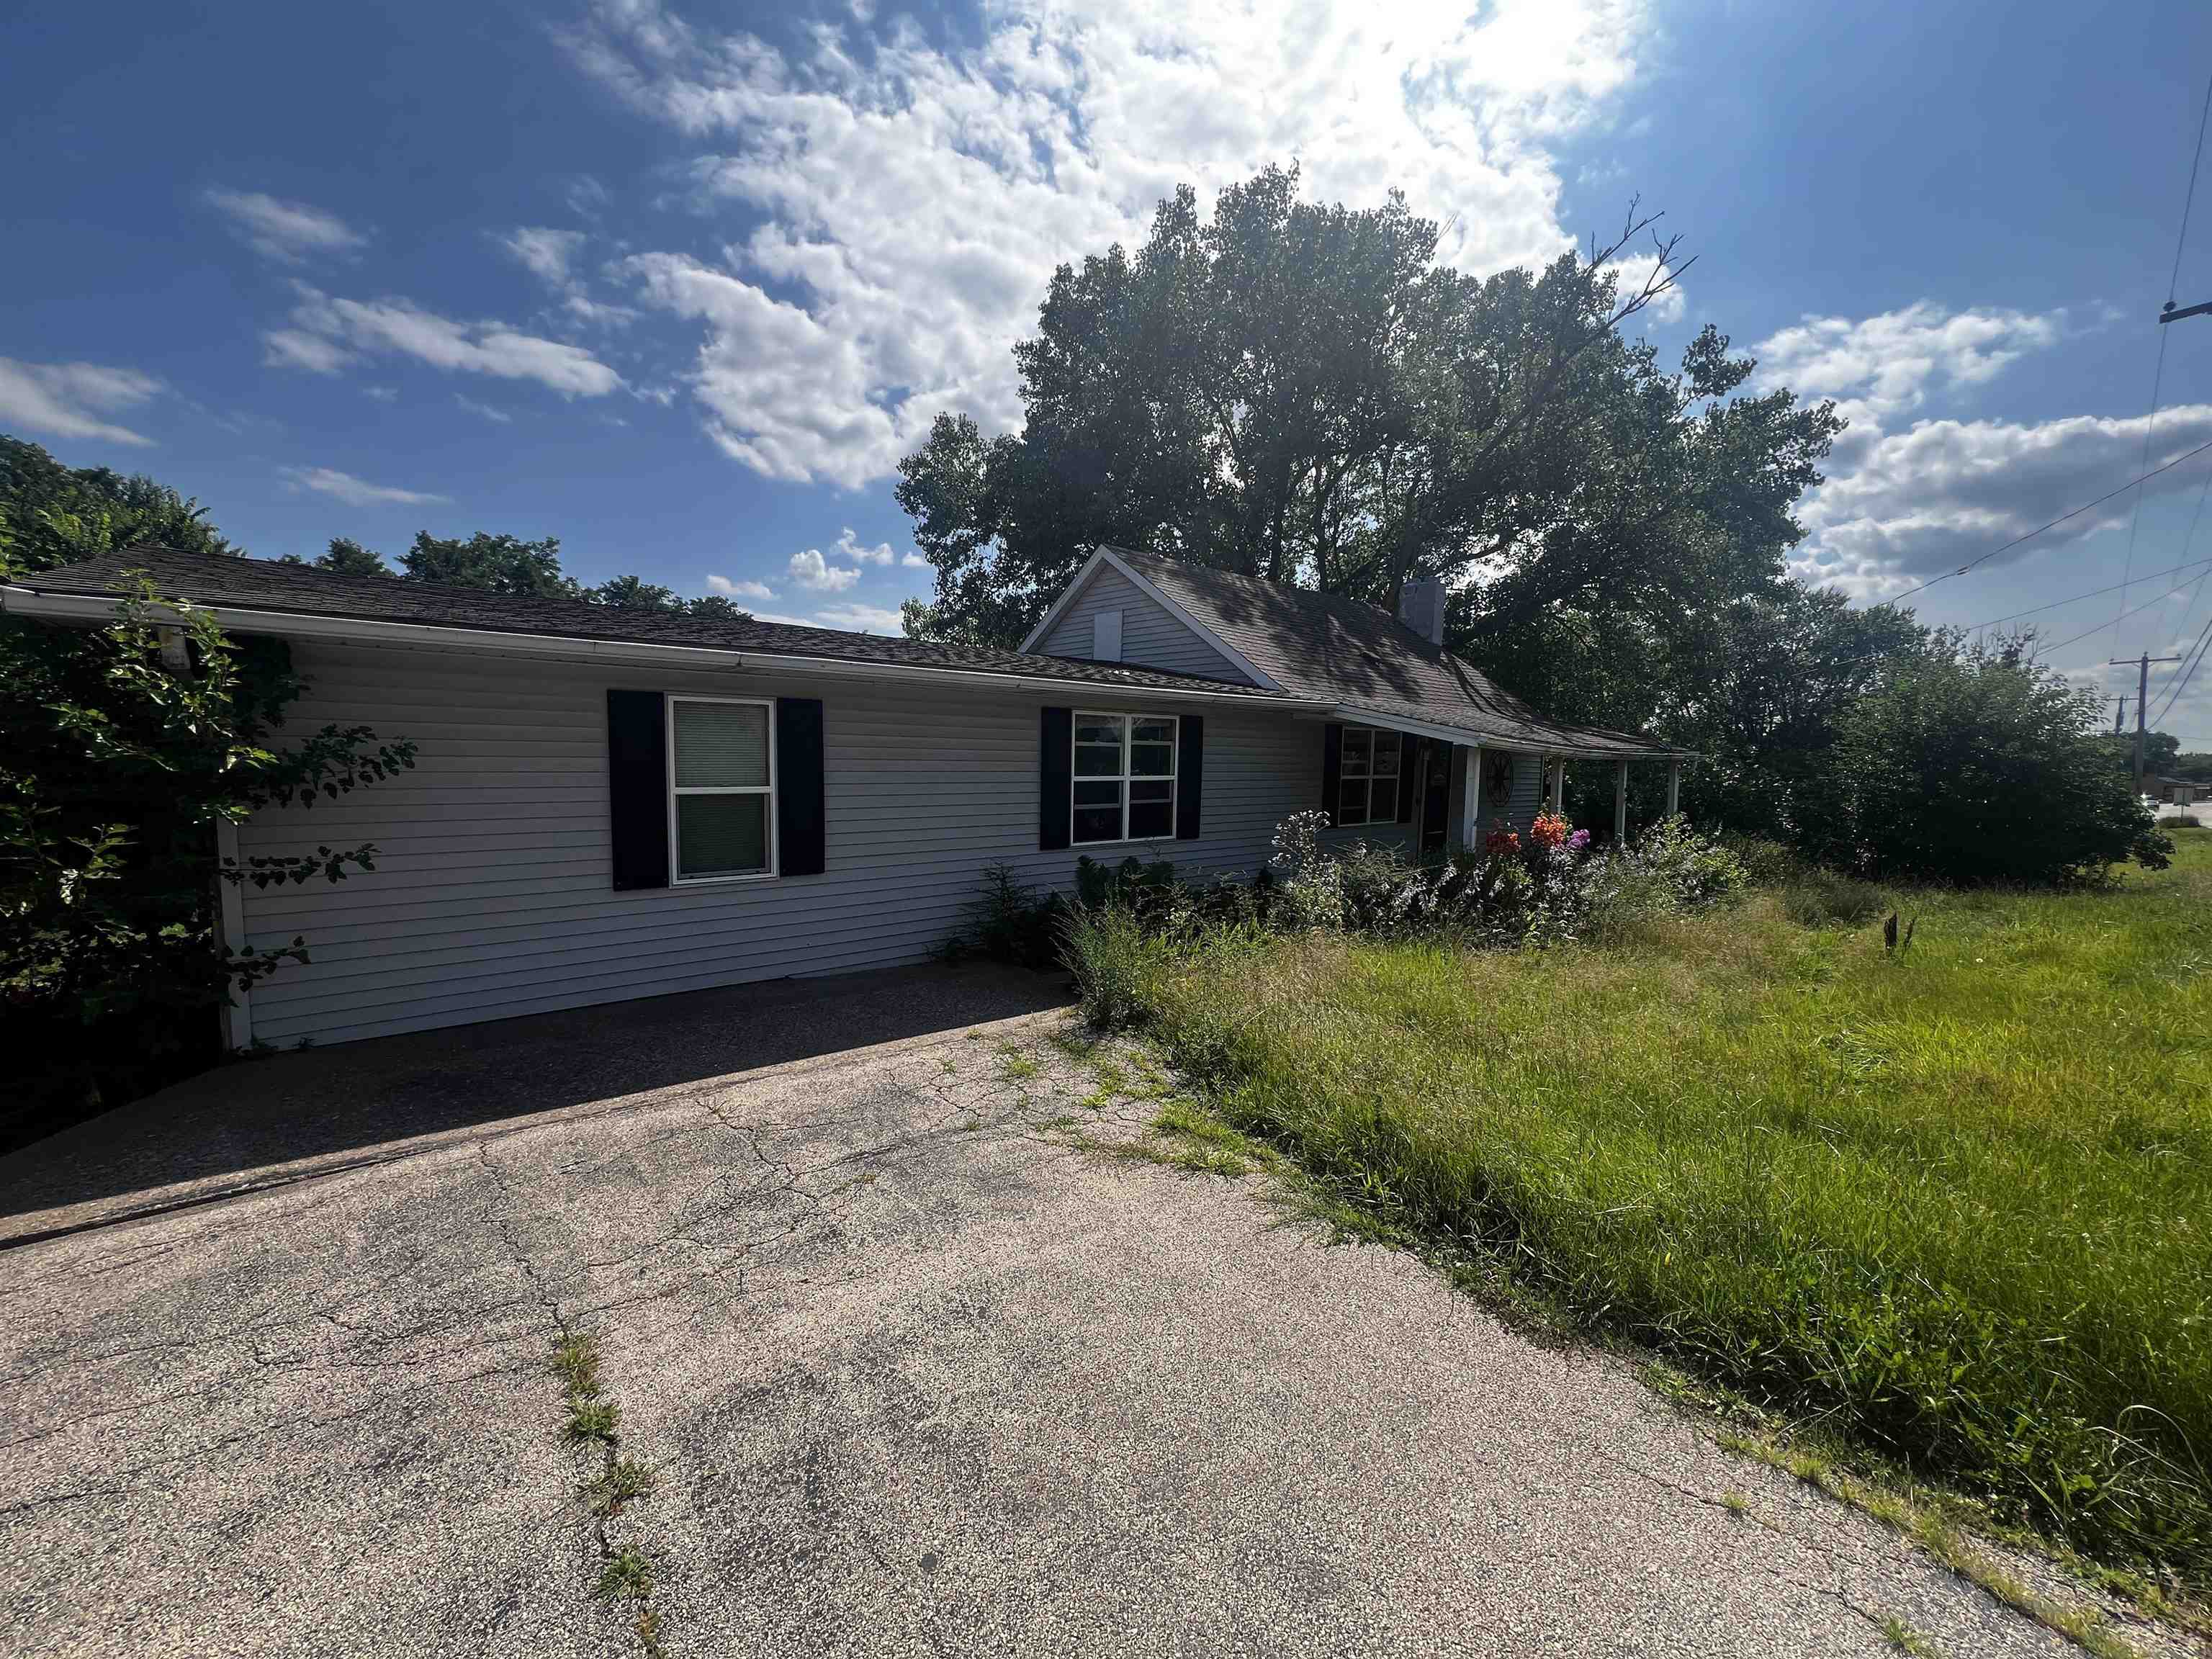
1549,831
1502,843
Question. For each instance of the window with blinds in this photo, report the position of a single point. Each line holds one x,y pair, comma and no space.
722,773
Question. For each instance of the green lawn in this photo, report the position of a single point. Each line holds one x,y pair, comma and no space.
1958,1201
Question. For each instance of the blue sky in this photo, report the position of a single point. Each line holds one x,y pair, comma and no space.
679,283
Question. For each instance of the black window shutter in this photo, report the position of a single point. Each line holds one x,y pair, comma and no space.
801,824
1332,767
1056,779
637,787
1413,756
1190,774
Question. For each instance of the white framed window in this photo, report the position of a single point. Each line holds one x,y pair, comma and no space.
721,789
1124,778
1367,785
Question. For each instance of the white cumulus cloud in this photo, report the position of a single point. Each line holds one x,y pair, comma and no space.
905,201
67,400
356,492
552,257
326,334
288,231
914,561
848,547
1924,500
739,590
810,569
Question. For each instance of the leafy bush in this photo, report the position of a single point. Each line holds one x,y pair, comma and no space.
1694,870
1131,885
1008,923
1765,863
118,759
1979,767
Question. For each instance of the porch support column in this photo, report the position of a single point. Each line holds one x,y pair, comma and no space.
1559,784
1470,798
1620,802
1674,788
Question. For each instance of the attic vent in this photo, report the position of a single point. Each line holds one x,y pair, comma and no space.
1106,636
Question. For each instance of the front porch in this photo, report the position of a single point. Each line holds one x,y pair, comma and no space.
1463,793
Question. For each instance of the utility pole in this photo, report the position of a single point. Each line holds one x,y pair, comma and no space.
2170,315
2143,689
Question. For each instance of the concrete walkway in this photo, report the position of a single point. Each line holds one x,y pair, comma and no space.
915,1375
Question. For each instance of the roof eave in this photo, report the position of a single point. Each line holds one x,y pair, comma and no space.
25,601
1351,715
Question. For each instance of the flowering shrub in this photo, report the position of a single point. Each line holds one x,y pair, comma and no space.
1579,841
1550,830
1312,881
1502,844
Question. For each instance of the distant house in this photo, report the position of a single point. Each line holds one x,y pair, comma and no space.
2177,792
616,804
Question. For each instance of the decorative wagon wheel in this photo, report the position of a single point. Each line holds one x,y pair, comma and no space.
1497,780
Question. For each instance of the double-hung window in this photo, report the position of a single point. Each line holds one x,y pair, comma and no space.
1125,777
722,799
1367,787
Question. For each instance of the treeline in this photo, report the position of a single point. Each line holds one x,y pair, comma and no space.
508,564
54,514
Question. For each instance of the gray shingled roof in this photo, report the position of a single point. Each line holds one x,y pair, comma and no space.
1324,647
302,589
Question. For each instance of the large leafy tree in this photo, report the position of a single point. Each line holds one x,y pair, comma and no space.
52,514
1301,393
499,564
347,557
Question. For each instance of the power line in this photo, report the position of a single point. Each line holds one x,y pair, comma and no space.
2188,669
2145,606
2189,610
2195,162
2135,512
2158,374
2007,546
2096,593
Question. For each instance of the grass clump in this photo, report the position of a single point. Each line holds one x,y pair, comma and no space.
592,1419
1902,1637
623,1480
1952,1199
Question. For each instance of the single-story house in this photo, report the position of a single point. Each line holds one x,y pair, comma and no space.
614,803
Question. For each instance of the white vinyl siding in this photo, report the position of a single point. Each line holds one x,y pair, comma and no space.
1152,637
492,895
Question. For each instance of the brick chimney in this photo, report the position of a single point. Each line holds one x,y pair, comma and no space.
1421,608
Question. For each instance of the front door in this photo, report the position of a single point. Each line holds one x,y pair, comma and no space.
1436,794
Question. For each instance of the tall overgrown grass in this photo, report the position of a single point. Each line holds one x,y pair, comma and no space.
1957,1199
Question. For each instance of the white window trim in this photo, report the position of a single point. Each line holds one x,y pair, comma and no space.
1336,807
676,877
1174,779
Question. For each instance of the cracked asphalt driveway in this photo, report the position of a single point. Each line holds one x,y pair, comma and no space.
914,1375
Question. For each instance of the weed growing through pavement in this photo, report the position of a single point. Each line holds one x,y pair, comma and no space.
626,1571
